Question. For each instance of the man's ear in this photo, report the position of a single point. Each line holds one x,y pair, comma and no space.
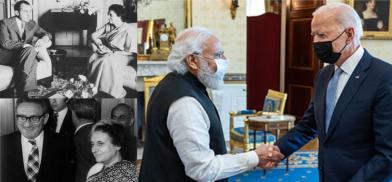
46,118
350,34
192,62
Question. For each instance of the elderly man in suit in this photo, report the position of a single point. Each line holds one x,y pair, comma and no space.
16,45
32,154
351,111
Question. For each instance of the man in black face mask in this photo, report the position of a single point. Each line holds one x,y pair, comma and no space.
351,110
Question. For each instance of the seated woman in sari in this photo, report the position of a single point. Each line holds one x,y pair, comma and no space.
114,47
107,139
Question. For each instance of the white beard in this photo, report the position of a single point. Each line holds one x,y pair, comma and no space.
208,78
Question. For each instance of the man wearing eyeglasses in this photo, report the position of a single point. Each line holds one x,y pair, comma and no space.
32,154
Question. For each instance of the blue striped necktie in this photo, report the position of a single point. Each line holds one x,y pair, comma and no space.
331,97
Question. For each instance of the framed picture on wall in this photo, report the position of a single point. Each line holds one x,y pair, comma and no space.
375,17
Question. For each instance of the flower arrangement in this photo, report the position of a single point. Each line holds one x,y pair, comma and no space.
72,88
85,7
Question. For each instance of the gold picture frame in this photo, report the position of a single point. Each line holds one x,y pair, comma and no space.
374,28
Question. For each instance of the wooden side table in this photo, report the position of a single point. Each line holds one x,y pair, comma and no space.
269,123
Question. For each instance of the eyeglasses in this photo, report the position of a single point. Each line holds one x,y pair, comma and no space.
217,55
31,119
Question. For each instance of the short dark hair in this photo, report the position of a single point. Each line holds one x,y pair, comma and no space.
41,102
19,4
114,130
118,9
127,107
84,108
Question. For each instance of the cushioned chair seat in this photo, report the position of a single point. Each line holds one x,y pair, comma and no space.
6,74
238,135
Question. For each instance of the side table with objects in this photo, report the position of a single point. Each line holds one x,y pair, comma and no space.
269,123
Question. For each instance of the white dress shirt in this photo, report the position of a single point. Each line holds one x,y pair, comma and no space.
19,23
348,68
60,119
188,125
26,147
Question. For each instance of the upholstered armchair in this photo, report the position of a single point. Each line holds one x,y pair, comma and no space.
274,104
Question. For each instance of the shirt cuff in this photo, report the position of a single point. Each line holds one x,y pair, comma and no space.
253,159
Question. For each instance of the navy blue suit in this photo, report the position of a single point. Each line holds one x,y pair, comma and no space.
358,144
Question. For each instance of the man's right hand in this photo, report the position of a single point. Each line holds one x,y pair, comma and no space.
269,156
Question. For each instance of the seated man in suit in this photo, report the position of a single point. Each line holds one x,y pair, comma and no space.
83,117
32,154
17,48
125,115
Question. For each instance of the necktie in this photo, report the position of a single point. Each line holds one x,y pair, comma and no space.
22,27
55,119
331,97
32,162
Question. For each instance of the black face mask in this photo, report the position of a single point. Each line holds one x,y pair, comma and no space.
325,52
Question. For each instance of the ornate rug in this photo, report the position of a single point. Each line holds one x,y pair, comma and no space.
303,167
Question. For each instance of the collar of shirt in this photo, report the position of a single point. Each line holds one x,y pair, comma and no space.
79,127
26,147
351,63
60,119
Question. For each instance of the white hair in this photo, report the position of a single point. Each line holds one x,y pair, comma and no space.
346,17
189,41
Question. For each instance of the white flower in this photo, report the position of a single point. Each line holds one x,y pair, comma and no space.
91,85
84,94
95,90
82,78
69,94
72,80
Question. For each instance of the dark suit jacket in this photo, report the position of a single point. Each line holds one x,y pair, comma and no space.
358,145
55,163
11,41
84,158
129,150
67,128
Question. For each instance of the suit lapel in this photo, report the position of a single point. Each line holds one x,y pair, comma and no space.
320,93
19,156
28,27
45,158
14,26
67,127
351,88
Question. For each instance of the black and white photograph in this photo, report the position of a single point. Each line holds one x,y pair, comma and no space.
68,48
68,140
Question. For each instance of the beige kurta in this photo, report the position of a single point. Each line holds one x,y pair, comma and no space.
110,72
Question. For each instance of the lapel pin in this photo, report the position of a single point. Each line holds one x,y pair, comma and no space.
356,77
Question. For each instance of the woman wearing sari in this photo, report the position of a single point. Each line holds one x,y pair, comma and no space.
114,47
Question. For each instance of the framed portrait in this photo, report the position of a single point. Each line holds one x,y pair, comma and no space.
271,104
376,17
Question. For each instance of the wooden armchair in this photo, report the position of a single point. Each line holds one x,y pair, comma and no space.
274,104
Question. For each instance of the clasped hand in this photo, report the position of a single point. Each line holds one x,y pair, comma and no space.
269,156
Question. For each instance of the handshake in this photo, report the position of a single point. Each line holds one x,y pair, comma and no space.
269,156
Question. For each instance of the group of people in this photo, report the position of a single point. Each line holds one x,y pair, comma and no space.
112,66
350,113
63,141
